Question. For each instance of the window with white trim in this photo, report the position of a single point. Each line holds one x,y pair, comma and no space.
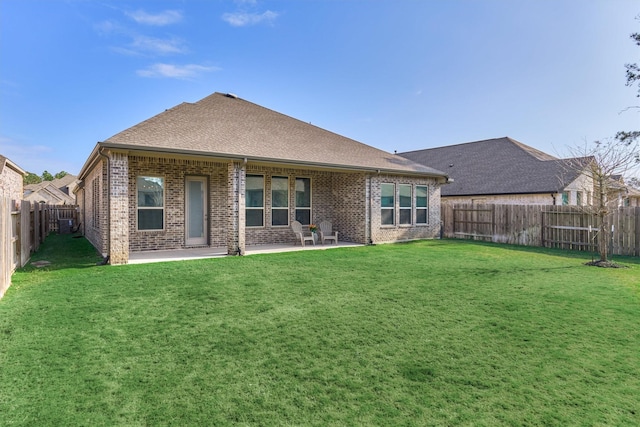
95,201
422,204
279,200
387,204
254,201
404,201
150,190
303,200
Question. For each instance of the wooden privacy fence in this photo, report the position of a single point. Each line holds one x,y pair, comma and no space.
564,227
23,226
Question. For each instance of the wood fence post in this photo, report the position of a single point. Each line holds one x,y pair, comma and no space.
25,232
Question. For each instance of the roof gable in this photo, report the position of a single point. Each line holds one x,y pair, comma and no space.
497,166
226,126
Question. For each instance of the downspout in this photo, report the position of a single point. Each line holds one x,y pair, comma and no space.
370,209
106,259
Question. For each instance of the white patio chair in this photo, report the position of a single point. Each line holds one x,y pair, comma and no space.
326,232
297,230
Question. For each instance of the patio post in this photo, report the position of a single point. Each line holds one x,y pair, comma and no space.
236,208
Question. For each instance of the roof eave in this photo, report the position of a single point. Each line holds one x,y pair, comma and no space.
257,159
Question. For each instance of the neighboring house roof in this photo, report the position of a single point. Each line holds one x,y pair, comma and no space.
497,166
633,192
225,126
5,162
67,183
54,192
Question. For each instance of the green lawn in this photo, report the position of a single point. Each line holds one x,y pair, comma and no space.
426,333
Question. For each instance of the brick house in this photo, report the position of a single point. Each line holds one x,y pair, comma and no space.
505,171
224,172
11,179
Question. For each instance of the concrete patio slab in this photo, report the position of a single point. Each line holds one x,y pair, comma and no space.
200,253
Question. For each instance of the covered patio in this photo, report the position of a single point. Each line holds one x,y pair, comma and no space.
145,257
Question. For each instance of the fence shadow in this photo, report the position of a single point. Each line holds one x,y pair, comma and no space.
63,251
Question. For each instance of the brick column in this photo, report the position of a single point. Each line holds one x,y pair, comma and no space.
235,208
119,208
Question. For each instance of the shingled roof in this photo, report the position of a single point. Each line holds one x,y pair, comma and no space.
225,126
497,166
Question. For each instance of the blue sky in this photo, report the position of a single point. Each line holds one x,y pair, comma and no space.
395,74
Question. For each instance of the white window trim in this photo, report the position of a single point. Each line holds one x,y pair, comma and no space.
255,207
406,208
295,206
425,208
281,207
164,204
392,208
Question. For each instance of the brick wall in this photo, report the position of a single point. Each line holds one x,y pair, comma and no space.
342,198
174,172
94,218
11,184
393,233
119,208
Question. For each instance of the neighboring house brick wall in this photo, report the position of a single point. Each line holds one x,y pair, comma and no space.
509,199
391,233
11,183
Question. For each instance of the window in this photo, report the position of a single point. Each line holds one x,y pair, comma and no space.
279,200
579,198
387,203
565,198
95,201
404,197
150,203
254,201
422,204
303,200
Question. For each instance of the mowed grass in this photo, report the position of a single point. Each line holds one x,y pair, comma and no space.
425,333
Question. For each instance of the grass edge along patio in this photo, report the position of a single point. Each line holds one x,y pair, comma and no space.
224,172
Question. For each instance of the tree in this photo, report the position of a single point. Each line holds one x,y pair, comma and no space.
31,178
61,174
603,162
46,176
633,78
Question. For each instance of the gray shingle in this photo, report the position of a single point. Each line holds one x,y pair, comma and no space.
496,166
227,126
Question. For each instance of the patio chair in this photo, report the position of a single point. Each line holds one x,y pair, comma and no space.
297,230
326,232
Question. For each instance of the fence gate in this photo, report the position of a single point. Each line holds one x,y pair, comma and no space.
474,222
565,227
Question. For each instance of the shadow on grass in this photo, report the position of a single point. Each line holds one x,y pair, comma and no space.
582,255
61,251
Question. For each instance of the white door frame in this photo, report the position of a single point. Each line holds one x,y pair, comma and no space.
201,239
